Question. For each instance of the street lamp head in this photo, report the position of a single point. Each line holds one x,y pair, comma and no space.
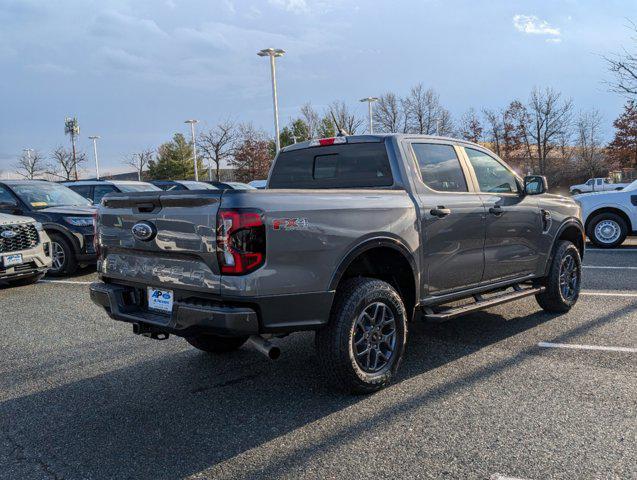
94,137
192,121
271,52
369,99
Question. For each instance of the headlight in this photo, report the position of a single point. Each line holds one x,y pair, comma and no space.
79,221
38,226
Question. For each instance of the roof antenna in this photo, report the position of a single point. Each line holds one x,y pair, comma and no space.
341,132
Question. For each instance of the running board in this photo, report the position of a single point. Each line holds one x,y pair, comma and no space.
480,304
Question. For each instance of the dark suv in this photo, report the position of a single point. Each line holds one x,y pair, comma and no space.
65,216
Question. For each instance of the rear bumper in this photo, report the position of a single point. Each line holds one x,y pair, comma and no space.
195,312
124,303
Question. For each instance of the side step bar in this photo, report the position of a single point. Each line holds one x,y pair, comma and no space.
480,304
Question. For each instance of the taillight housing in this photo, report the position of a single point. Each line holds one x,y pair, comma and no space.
96,242
240,240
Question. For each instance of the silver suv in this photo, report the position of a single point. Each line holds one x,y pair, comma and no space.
25,250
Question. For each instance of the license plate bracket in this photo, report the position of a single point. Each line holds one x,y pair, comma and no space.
160,299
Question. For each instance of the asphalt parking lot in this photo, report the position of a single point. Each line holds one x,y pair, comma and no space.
81,397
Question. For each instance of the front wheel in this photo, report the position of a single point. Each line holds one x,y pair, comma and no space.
363,344
607,230
576,192
63,257
215,343
562,285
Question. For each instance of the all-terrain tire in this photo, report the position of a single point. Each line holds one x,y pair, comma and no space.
335,342
554,299
215,343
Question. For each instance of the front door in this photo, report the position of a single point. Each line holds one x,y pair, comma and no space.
513,220
452,219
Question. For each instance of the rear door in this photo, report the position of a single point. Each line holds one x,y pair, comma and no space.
182,247
513,220
452,218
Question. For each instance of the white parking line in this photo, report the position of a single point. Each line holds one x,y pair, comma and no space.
608,294
71,282
609,268
587,347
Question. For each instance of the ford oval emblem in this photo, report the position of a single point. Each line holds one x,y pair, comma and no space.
144,231
8,234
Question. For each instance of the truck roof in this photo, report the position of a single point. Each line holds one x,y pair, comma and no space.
367,138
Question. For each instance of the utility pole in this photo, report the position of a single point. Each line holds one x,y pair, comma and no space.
95,138
273,53
369,101
194,145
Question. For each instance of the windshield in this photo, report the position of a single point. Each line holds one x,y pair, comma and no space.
631,186
45,194
137,187
240,186
192,185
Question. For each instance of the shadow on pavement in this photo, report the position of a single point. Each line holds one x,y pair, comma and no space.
186,412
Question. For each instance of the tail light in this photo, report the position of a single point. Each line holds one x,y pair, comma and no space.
96,243
240,241
324,142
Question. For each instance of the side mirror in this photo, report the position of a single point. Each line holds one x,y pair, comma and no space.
535,185
9,206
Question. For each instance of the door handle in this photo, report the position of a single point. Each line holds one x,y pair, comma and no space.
440,211
497,210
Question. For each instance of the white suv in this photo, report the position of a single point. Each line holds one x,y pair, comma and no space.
25,250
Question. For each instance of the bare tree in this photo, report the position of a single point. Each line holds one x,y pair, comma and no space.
344,118
139,161
252,157
217,145
311,119
624,67
494,130
550,118
64,163
425,114
589,144
470,126
30,164
389,114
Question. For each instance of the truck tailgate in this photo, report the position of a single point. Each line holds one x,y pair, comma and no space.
182,249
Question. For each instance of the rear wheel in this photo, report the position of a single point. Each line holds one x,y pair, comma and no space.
563,281
362,346
63,257
576,192
607,230
215,343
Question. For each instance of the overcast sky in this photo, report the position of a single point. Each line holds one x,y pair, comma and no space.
133,70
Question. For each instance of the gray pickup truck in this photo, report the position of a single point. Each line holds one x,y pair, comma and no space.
353,238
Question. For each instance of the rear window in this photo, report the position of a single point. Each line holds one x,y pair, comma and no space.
356,165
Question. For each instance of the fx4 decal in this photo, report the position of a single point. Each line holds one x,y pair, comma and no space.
290,224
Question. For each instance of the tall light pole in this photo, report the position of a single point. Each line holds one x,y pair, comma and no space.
95,138
194,145
369,101
273,53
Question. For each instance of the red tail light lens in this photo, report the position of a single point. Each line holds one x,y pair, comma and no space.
240,241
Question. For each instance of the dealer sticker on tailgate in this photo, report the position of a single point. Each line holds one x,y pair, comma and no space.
159,299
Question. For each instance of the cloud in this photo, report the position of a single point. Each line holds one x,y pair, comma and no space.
553,40
48,67
533,25
116,24
294,6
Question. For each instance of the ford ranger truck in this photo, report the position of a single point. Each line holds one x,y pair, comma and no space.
353,238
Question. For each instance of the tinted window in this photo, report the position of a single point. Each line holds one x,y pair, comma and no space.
100,191
492,175
589,183
440,167
84,190
5,196
137,187
356,165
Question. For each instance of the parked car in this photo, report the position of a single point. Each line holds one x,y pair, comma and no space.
596,185
231,185
95,190
609,217
175,185
66,217
260,184
25,250
352,236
